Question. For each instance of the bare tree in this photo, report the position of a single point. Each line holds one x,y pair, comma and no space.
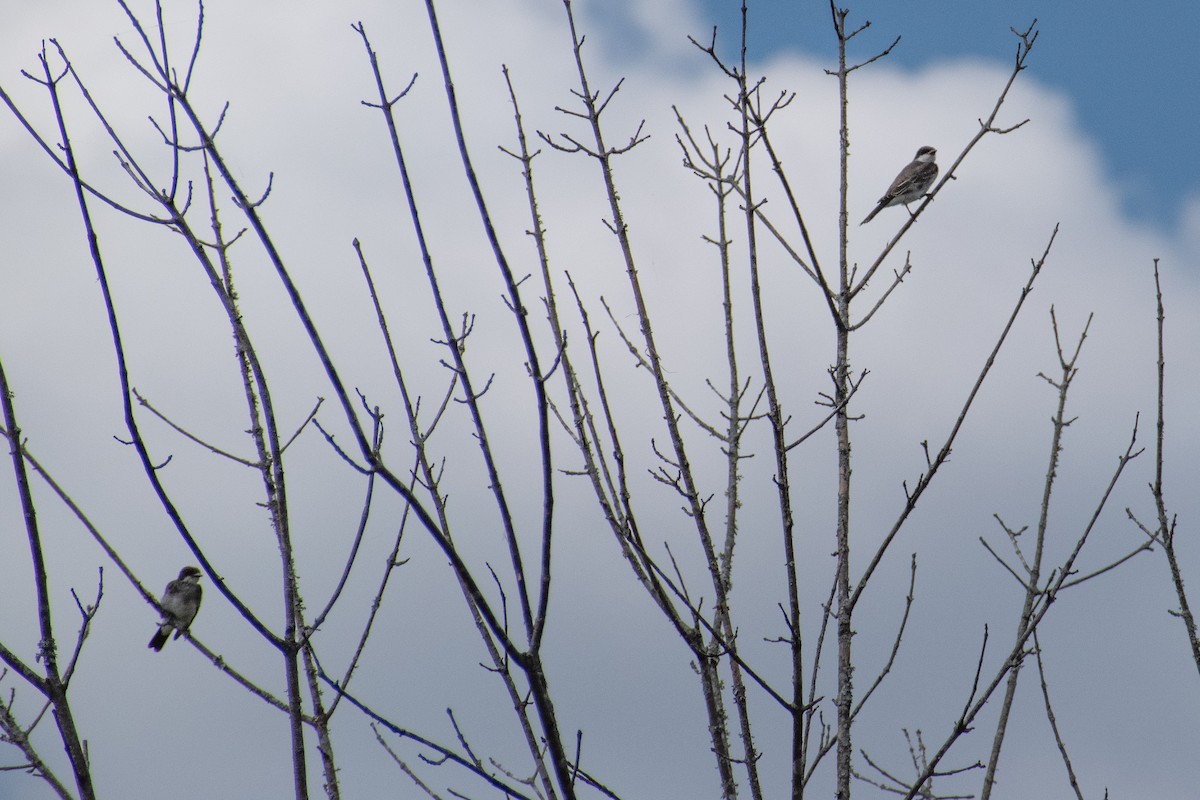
585,433
1164,531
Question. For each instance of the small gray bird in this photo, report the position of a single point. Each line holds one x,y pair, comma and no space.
912,182
180,601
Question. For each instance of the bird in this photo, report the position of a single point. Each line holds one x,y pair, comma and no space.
180,602
912,182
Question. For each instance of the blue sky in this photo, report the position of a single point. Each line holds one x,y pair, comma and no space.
1130,68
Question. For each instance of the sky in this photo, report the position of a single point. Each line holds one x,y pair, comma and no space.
1128,70
1105,155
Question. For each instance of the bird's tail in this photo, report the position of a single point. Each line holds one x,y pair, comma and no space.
160,638
871,216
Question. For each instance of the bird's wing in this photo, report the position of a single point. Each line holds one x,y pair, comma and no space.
915,174
173,597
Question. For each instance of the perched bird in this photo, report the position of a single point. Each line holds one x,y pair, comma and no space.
912,182
180,601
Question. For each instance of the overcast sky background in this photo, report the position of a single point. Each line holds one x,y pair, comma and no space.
1108,154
